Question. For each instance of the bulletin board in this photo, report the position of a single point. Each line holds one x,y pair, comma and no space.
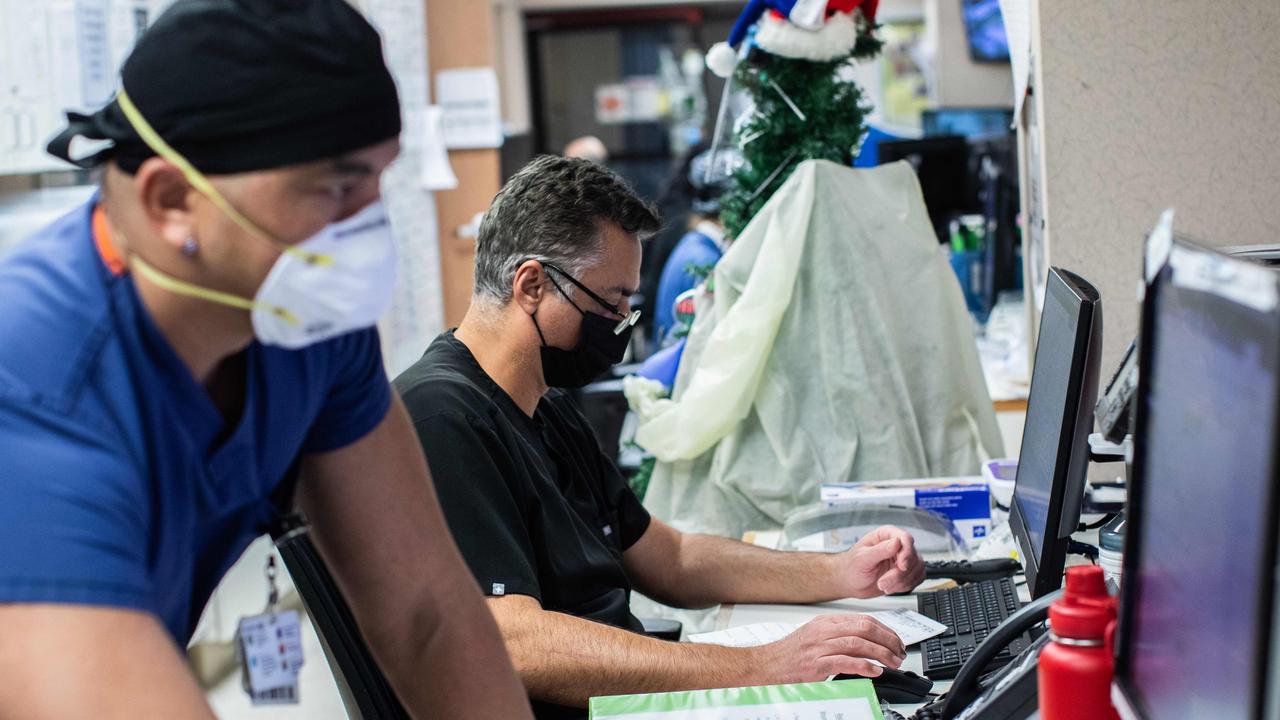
58,55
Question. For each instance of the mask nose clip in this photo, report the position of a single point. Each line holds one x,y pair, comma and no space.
627,322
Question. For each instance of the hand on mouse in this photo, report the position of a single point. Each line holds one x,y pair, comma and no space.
831,645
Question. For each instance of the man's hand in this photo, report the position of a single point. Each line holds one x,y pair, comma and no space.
694,571
883,562
831,645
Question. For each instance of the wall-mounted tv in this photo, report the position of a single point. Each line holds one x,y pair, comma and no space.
985,28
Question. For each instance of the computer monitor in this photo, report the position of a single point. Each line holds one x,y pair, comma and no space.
1054,459
1195,636
984,25
970,122
942,166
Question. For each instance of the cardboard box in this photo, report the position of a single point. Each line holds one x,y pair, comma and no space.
966,500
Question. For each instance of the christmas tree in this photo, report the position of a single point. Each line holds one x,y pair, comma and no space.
803,105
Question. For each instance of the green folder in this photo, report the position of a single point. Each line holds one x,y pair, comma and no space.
840,700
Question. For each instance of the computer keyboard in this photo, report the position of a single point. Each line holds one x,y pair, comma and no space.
971,613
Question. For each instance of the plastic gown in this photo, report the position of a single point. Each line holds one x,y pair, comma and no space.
836,348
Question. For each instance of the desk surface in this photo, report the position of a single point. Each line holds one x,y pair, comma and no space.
738,615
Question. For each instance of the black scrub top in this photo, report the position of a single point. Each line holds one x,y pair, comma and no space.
534,505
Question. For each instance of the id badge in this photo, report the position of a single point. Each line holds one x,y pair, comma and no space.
270,648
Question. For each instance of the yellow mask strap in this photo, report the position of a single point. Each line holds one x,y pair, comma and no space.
180,287
202,184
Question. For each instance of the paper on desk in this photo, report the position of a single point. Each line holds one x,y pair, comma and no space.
910,625
746,635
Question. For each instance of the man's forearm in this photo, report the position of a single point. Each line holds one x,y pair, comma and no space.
457,668
713,569
378,526
567,660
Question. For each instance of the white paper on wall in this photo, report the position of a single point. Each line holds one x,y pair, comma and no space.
469,99
437,173
1017,28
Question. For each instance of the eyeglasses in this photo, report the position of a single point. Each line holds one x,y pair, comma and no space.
628,319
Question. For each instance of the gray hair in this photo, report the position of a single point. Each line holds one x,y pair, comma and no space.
551,211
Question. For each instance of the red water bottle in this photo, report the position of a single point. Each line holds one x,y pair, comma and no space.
1075,669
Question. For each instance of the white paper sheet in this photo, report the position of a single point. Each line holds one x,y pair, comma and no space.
1243,283
910,625
97,73
1159,244
746,635
1017,28
128,19
27,53
437,173
469,98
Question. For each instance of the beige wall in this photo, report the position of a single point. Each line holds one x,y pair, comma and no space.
1147,104
477,170
512,65
959,80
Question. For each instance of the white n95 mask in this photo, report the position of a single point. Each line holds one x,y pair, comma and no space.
302,302
338,280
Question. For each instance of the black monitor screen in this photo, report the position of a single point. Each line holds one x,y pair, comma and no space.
1202,503
1051,415
942,166
985,26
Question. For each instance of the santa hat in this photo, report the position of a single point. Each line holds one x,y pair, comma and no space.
818,30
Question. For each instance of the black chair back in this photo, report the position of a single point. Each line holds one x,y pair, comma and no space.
364,689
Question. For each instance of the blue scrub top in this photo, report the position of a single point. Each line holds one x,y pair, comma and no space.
695,248
118,483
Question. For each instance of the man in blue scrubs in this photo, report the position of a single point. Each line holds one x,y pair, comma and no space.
701,247
169,351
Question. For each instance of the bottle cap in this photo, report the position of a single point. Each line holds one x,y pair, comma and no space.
1085,582
1085,609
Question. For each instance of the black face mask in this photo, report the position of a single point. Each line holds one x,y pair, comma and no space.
601,343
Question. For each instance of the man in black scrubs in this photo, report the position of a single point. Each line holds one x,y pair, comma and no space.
549,528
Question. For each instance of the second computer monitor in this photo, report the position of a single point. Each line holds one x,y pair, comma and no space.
1054,459
1197,619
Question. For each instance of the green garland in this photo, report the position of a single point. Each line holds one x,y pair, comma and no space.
832,128
639,482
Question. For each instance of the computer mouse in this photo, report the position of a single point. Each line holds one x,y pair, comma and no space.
897,686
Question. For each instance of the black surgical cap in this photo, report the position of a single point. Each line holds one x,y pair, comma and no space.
241,85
